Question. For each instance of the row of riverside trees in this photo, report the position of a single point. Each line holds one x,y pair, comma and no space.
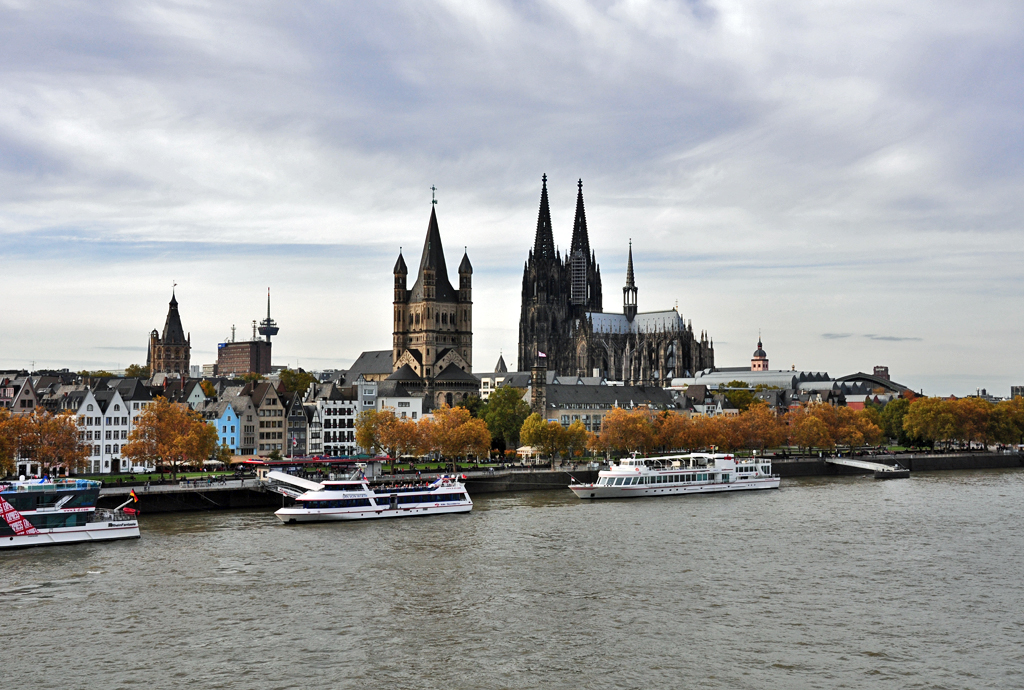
954,422
757,428
460,431
452,432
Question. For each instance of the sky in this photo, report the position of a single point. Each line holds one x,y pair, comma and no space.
844,177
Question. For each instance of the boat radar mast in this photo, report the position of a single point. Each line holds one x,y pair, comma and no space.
268,326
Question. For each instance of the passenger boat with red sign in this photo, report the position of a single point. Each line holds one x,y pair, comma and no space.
44,513
353,498
696,473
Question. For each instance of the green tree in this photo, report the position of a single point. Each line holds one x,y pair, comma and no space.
740,399
224,454
476,406
296,380
98,374
737,384
137,371
252,377
892,420
208,390
505,413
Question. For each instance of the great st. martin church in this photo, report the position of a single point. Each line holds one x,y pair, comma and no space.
562,316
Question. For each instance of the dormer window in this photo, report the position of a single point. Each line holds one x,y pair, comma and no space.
117,407
88,408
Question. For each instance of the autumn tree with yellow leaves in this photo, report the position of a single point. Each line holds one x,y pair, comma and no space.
172,434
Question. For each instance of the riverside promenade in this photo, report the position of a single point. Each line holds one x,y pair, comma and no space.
203,494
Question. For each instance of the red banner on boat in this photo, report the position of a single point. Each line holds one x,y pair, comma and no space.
18,523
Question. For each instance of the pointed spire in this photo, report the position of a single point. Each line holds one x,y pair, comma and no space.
629,266
173,333
432,259
400,267
629,291
580,239
544,241
465,268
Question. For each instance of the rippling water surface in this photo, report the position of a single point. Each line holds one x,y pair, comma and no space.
826,583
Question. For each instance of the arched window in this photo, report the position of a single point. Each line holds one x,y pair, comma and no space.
449,399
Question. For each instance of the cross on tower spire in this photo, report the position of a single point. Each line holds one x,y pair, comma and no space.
433,194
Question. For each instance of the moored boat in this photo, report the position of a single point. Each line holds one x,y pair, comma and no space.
44,513
695,473
353,498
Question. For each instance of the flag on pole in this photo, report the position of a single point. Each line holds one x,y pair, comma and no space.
133,495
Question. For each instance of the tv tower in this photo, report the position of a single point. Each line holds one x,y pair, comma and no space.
268,326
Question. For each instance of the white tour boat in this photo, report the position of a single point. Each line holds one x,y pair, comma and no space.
43,513
696,473
352,498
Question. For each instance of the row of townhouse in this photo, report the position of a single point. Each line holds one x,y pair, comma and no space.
105,414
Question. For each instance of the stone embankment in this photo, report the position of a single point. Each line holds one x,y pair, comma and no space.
915,462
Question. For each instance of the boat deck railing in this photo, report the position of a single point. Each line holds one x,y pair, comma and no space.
59,485
104,515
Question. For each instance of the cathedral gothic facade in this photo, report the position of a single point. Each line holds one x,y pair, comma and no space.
562,316
432,352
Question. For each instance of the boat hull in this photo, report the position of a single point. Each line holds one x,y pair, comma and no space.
297,515
892,474
595,491
93,531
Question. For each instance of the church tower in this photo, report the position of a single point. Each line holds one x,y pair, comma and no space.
433,321
759,362
170,352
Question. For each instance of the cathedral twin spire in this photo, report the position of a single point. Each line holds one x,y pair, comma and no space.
544,241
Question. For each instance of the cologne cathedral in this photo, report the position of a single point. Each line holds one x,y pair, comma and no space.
563,320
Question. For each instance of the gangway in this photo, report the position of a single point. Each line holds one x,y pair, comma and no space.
289,485
895,471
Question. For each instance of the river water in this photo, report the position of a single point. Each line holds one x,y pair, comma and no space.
826,583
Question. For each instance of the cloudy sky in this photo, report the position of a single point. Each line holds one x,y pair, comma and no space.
844,176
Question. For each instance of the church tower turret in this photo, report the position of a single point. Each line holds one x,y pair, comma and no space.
629,292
